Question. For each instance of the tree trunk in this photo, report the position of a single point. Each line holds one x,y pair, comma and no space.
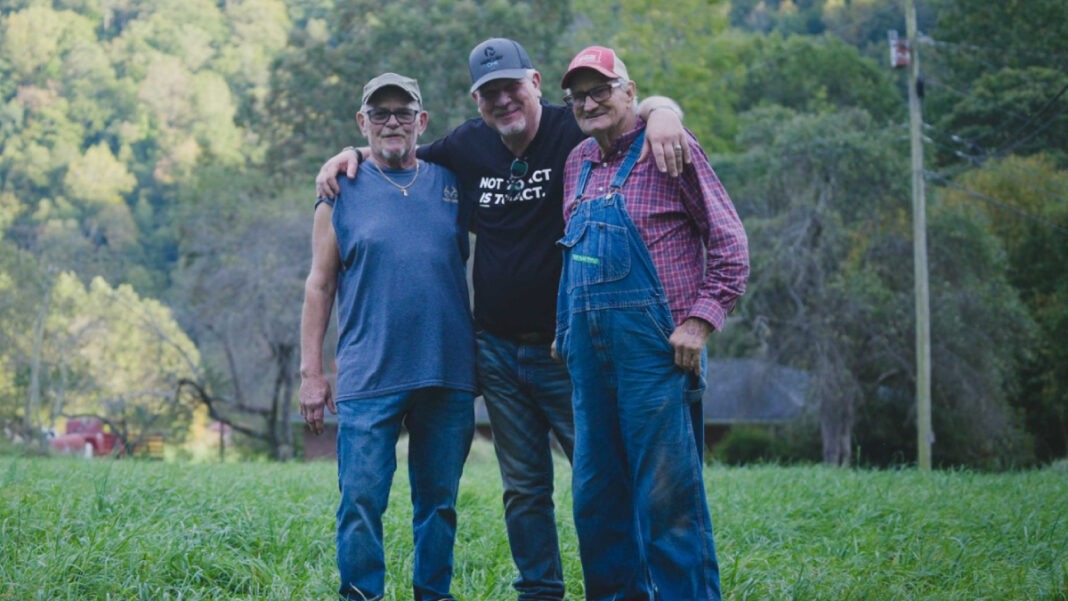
281,438
33,399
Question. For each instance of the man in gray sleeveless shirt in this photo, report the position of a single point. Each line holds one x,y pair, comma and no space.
391,249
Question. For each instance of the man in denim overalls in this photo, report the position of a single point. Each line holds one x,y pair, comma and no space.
652,265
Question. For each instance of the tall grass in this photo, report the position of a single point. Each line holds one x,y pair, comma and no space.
76,529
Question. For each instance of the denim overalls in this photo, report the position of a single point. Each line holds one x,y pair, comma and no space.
640,510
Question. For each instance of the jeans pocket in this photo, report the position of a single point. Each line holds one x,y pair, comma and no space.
660,317
695,385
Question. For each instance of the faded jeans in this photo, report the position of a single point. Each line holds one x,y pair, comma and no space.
440,424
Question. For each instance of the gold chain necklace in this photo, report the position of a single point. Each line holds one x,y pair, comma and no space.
403,188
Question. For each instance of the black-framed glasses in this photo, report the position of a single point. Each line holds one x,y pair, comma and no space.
516,173
599,94
381,116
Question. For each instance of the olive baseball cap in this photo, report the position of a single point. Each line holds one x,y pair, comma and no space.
408,85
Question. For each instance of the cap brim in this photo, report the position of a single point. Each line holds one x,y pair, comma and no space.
596,68
502,74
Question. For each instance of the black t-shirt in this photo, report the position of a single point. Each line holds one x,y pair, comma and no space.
517,263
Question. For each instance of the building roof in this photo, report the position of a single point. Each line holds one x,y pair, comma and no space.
753,391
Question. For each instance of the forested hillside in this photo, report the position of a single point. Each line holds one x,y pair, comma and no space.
157,160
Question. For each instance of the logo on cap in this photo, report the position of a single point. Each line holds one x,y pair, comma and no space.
589,57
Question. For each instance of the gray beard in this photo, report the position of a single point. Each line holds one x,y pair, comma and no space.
394,155
514,128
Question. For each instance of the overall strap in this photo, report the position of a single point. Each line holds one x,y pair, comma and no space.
584,177
628,163
621,175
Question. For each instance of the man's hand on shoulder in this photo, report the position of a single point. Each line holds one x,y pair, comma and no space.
665,136
345,162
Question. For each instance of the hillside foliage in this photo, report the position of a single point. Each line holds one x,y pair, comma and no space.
157,160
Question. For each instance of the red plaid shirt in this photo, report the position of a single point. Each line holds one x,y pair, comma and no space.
688,223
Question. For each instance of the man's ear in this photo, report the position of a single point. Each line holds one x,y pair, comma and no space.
424,118
535,80
361,122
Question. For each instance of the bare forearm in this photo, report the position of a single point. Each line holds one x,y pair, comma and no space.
654,103
318,302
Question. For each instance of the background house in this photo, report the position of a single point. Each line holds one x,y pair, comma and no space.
740,391
751,392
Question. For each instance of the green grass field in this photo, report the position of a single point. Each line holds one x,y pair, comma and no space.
73,529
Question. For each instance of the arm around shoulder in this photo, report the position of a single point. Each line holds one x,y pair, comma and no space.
665,136
345,162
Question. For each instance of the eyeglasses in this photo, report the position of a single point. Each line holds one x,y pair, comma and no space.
599,94
491,94
516,174
381,116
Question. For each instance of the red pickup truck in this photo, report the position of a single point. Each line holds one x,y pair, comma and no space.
85,436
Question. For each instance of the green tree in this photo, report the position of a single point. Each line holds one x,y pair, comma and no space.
1025,207
245,253
117,355
808,188
980,36
813,74
825,203
682,50
21,307
1010,111
318,85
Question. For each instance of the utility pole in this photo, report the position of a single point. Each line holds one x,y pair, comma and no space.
919,247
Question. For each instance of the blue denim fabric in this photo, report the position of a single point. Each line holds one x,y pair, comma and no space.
440,424
528,395
640,509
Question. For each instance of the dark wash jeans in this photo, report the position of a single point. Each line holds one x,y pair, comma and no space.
528,395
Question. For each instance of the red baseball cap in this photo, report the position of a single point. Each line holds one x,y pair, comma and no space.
598,58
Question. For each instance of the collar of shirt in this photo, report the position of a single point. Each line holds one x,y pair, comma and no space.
593,153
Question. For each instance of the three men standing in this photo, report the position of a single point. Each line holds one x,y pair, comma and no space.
509,163
643,251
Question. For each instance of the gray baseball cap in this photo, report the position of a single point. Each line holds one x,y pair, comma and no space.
497,58
408,85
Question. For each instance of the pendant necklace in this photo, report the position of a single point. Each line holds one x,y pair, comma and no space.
405,187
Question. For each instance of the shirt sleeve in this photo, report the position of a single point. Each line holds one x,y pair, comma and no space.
726,245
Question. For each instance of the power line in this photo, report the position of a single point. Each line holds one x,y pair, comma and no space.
1001,204
973,51
1027,119
978,161
1043,127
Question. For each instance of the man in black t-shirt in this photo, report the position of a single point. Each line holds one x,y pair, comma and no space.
510,166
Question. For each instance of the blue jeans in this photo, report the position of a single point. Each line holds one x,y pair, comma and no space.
528,395
440,424
639,500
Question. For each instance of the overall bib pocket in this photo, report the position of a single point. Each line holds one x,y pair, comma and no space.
595,253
